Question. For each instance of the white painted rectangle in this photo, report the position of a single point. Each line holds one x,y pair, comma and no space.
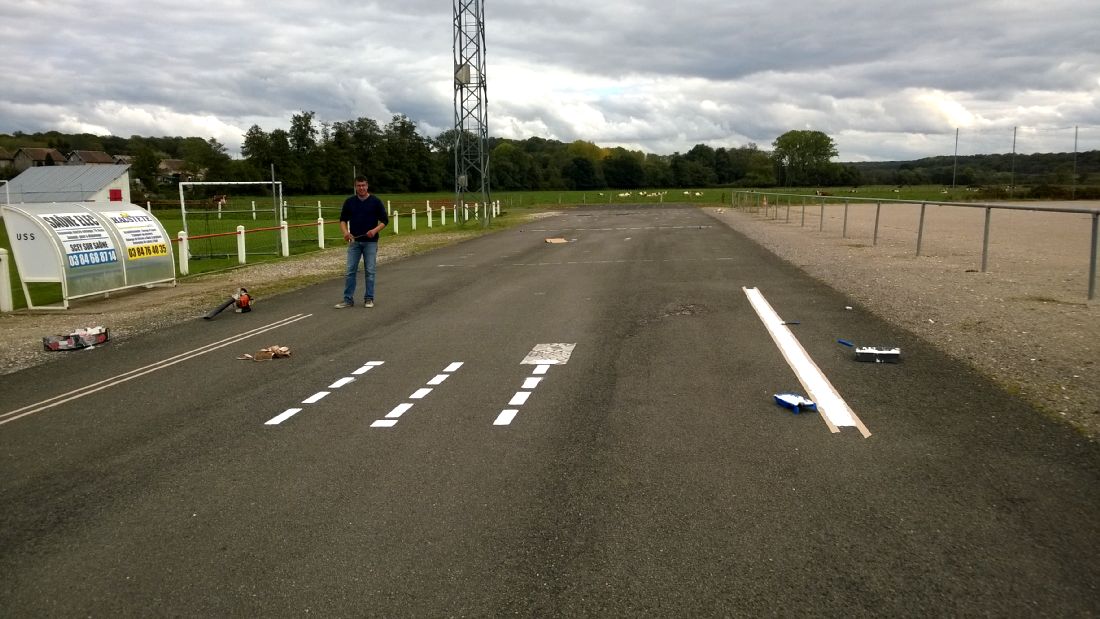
315,397
531,382
420,393
363,370
541,369
453,367
384,423
551,354
438,380
399,410
374,363
340,383
520,398
283,416
505,417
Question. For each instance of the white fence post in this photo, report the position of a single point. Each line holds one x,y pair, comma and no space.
389,208
429,216
443,215
284,236
185,253
321,232
477,210
465,213
414,220
240,245
396,222
318,209
6,303
253,210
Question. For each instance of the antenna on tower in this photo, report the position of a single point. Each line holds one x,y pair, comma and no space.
471,101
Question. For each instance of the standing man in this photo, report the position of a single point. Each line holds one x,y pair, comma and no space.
361,219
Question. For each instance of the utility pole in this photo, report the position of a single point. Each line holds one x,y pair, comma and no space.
471,106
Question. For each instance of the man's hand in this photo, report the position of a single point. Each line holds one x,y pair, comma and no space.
371,233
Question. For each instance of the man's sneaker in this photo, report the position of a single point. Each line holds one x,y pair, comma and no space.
343,304
368,303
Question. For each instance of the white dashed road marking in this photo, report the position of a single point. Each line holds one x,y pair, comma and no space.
505,417
313,399
542,356
391,417
317,397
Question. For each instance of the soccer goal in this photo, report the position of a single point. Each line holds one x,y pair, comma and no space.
210,214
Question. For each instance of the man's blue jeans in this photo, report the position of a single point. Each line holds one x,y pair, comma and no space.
368,251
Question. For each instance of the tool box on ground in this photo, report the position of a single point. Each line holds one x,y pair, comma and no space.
872,353
81,338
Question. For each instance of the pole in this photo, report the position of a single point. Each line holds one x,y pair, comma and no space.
985,240
920,228
1073,190
1012,186
878,210
1092,257
6,303
955,168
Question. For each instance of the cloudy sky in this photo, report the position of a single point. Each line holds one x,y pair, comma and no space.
887,80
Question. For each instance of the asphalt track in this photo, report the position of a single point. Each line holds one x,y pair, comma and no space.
649,474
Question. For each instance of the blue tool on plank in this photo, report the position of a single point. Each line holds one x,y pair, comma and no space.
795,402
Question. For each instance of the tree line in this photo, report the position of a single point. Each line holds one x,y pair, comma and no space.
312,157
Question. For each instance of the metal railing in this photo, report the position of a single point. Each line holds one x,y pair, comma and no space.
759,199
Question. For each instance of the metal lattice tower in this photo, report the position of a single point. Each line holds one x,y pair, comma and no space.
471,101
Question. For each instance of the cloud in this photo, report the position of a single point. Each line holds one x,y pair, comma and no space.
890,81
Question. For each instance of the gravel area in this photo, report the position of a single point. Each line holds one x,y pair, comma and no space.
1025,322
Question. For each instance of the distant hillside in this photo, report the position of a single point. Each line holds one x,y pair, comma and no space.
1034,169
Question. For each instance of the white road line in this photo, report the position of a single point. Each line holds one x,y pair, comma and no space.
106,383
363,370
372,363
531,382
541,369
834,410
519,398
399,410
419,394
281,417
505,417
342,382
313,399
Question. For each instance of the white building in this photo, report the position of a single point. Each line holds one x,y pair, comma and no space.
71,183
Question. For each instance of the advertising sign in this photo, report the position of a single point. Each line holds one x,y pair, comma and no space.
88,247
